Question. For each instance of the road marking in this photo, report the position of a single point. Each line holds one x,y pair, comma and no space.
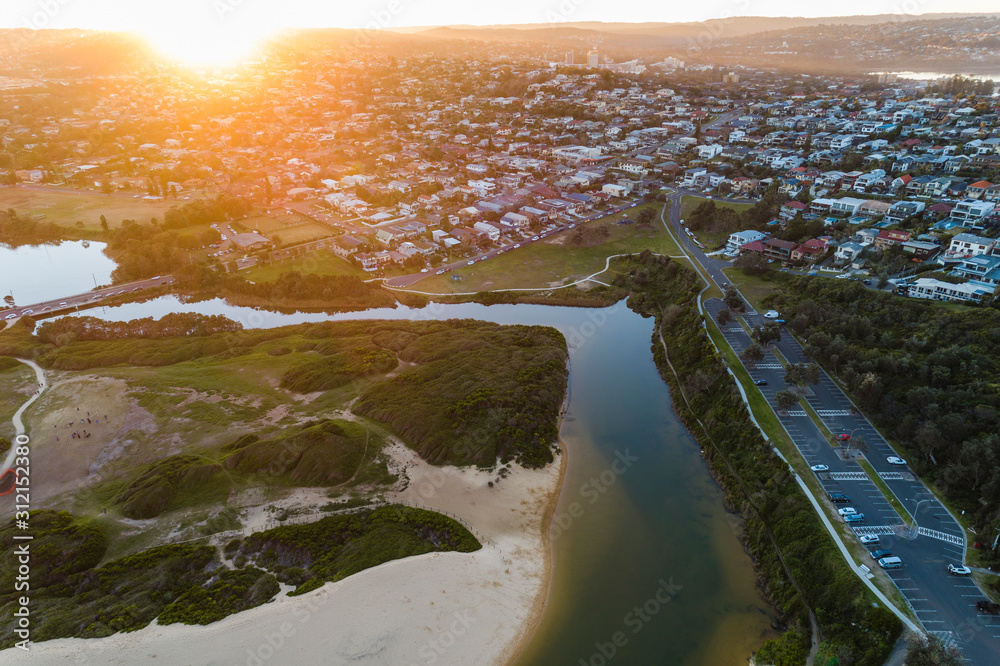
880,530
848,476
892,476
795,413
769,366
832,412
934,534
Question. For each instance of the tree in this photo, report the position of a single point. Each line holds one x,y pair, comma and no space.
786,400
811,374
724,317
793,374
767,334
104,222
931,651
752,354
9,300
106,187
733,299
752,263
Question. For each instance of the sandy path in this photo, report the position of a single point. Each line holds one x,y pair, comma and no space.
18,425
441,608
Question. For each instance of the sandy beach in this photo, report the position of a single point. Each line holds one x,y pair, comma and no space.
440,608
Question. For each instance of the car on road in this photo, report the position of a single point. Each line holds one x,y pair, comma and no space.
847,511
879,554
959,571
843,437
893,460
28,311
11,316
820,468
470,262
424,270
517,245
771,314
572,226
867,283
854,518
439,272
869,538
62,304
534,238
760,382
839,498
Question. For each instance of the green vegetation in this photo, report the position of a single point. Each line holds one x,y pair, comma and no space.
326,453
335,547
479,393
152,492
74,597
799,561
319,262
926,375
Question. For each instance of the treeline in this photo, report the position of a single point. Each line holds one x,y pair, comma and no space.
927,374
64,330
307,290
145,250
71,596
206,211
757,483
479,393
335,547
18,230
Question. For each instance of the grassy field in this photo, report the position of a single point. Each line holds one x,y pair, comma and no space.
16,384
556,260
290,230
68,208
688,204
321,262
754,288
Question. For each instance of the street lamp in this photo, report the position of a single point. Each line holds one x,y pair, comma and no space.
916,527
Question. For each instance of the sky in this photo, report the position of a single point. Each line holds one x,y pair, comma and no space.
220,27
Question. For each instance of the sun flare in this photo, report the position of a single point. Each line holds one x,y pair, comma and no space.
206,47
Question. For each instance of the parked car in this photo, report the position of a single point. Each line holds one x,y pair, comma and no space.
893,460
839,498
820,468
988,607
470,262
843,437
869,538
879,554
959,571
439,272
760,382
847,511
10,316
854,518
771,314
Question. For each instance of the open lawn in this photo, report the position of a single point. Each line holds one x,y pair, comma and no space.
319,262
755,288
689,203
559,259
67,208
290,230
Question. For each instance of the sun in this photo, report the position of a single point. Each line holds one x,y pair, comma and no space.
208,46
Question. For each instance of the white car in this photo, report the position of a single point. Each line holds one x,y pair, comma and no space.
517,245
893,460
771,314
869,538
471,262
820,468
11,316
846,511
959,571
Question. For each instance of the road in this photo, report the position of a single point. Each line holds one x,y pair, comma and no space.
46,308
944,604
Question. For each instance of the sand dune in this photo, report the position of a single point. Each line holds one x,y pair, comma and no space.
441,608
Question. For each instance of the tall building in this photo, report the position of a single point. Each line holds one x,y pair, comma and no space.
569,57
731,78
593,60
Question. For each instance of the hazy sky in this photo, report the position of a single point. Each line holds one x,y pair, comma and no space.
221,26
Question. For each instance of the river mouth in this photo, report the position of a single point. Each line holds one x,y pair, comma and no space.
648,567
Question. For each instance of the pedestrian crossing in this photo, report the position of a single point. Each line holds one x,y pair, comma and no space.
892,476
874,530
833,412
848,476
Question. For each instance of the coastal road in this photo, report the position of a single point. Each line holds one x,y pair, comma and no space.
54,306
944,604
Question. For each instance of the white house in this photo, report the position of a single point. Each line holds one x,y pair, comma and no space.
848,251
970,245
709,151
614,190
970,210
491,231
742,238
939,290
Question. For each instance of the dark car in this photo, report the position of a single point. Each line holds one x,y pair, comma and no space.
879,554
839,498
760,382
